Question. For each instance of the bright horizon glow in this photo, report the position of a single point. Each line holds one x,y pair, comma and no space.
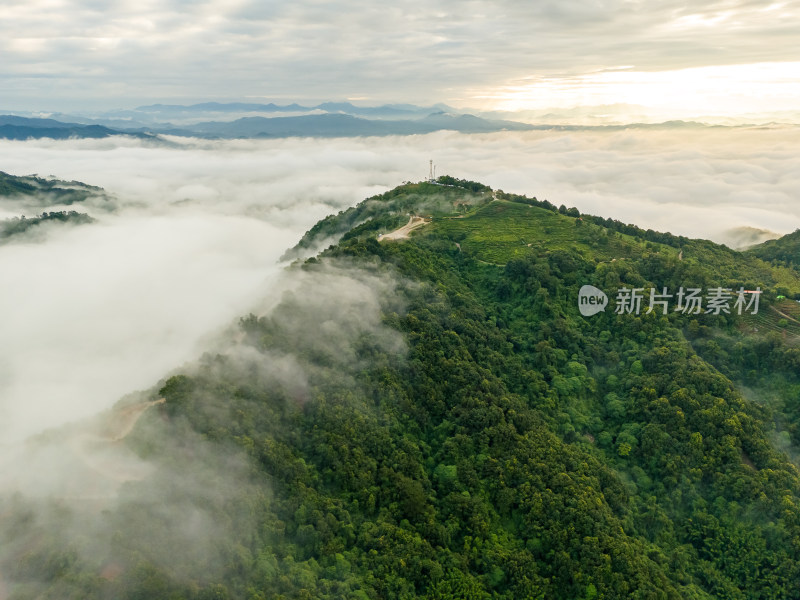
728,90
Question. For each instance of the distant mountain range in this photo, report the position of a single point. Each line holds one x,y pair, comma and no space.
245,120
329,124
345,125
22,128
391,111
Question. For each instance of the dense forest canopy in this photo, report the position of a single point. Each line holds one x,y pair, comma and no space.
432,417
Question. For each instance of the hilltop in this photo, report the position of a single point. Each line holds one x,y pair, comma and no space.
495,227
432,417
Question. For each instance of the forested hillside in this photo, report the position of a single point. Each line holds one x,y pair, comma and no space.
434,418
785,250
17,226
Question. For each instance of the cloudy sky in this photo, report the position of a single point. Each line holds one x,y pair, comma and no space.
721,57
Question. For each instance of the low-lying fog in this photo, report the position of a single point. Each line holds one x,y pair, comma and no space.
93,312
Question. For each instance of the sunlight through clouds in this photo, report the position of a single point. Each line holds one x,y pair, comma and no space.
719,90
491,55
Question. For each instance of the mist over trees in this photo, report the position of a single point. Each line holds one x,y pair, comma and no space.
433,418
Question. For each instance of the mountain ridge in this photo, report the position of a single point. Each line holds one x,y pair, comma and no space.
335,120
432,417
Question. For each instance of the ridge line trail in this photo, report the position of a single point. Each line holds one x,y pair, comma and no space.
128,416
88,444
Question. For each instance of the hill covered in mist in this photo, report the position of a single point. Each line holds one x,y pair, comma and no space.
49,189
433,417
27,195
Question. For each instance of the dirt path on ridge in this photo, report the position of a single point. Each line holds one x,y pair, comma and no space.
784,315
402,233
97,447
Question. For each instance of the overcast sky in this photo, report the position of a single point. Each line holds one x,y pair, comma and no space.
717,56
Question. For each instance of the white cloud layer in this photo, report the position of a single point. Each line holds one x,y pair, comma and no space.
121,52
97,311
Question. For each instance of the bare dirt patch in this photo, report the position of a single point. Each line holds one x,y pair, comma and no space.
402,233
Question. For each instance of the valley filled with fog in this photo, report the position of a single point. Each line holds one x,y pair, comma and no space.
193,234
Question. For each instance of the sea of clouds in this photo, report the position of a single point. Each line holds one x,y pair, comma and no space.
90,313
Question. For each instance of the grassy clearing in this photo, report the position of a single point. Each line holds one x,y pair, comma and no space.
500,231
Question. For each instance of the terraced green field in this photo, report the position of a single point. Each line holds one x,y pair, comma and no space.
770,320
500,231
790,307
